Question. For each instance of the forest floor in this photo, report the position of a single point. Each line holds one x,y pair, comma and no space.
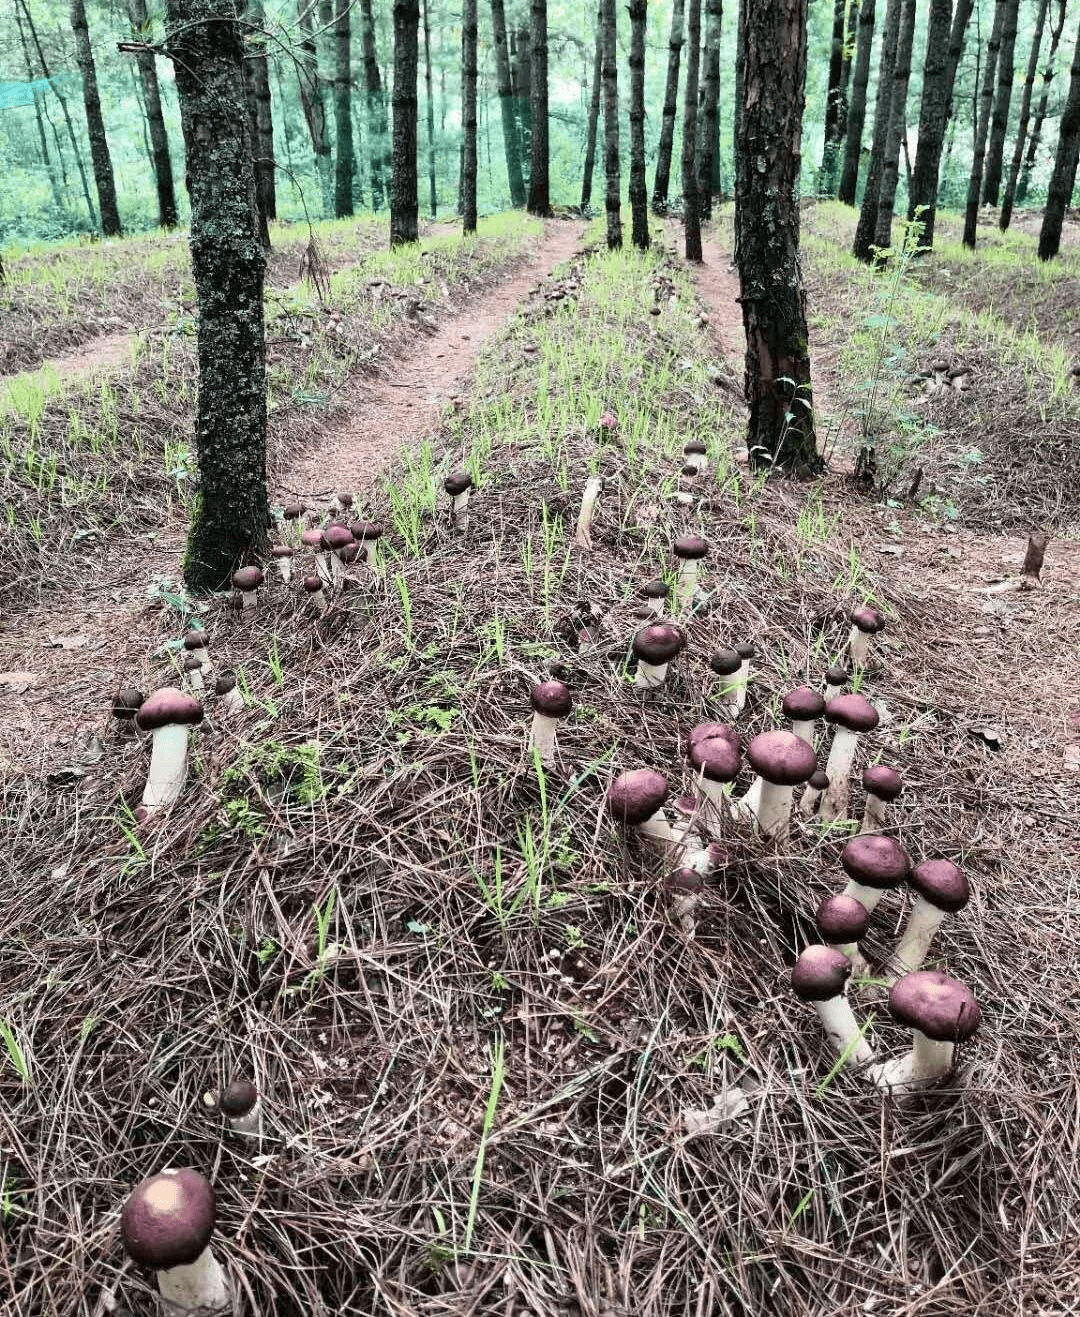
499,1077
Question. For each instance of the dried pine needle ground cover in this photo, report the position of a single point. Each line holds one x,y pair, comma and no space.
480,1036
86,462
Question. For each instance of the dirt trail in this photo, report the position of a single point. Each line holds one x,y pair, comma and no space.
61,662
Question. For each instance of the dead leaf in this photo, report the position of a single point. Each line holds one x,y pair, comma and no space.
18,682
728,1105
70,642
1072,758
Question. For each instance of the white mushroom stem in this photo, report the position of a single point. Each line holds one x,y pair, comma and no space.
809,802
168,766
687,583
751,801
249,599
657,831
232,701
203,655
859,646
582,532
868,897
323,568
838,771
650,675
715,794
460,509
774,811
873,819
369,552
739,682
684,907
839,1022
249,1123
657,605
923,922
849,949
927,1061
542,736
194,679
284,566
696,460
200,1287
318,598
804,728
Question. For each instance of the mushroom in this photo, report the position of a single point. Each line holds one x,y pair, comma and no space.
866,622
656,593
247,580
851,715
819,782
726,663
960,378
820,976
836,678
695,452
239,1104
582,531
293,512
882,786
684,887
334,539
195,643
745,652
367,535
940,1013
941,888
314,586
654,648
227,691
166,1225
782,760
193,673
168,713
635,799
312,539
457,486
125,705
283,556
842,921
715,753
689,550
803,706
342,502
551,702
874,864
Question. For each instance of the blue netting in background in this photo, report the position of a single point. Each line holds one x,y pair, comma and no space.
15,94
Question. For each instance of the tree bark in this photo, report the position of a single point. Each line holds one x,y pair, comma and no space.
539,185
54,181
890,170
864,232
767,163
710,101
610,75
404,207
662,178
999,123
1063,179
433,195
345,164
835,109
95,124
691,208
258,67
522,78
945,36
511,142
982,127
1009,198
1040,113
155,119
229,520
594,114
375,102
468,116
849,177
314,107
639,193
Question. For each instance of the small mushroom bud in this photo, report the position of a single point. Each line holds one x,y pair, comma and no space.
820,977
195,643
836,678
314,587
882,786
696,453
689,551
283,556
367,535
293,515
239,1104
457,486
654,648
551,702
683,888
342,502
168,713
865,624
727,665
247,581
193,674
741,681
228,693
655,593
811,797
125,706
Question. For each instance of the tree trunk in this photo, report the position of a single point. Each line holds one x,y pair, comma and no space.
345,165
850,17
999,123
258,67
229,521
849,177
890,170
662,178
691,208
522,61
468,116
639,193
864,232
314,107
1025,117
982,127
375,103
714,12
511,143
54,181
1063,179
1040,113
767,163
594,113
945,35
539,186
155,119
433,196
835,109
95,125
404,207
610,75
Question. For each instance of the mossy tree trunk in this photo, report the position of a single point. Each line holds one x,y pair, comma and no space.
229,520
521,63
1063,179
662,177
897,135
259,73
433,193
610,74
945,34
860,80
589,167
375,100
982,127
999,123
1008,200
835,109
1044,98
345,162
767,162
404,207
511,142
710,101
639,193
314,105
468,116
691,210
539,181
100,158
155,119
864,231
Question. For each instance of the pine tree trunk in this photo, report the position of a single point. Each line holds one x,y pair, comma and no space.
511,144
468,116
314,107
639,193
710,101
982,127
258,68
850,19
155,119
375,103
610,75
691,209
890,170
835,109
522,65
1063,179
54,181
594,114
433,196
1009,198
229,521
253,138
945,35
849,177
767,163
864,232
95,125
1040,113
999,123
345,164
662,178
404,207
539,185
